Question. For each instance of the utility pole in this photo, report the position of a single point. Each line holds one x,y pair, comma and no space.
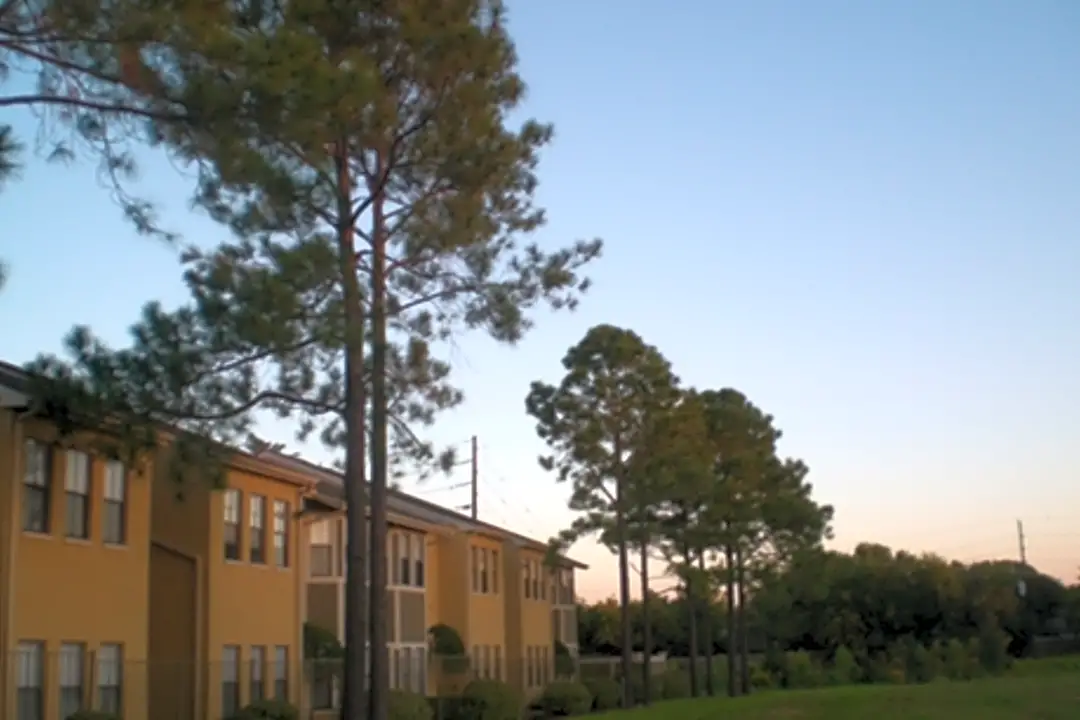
1020,539
475,477
1021,586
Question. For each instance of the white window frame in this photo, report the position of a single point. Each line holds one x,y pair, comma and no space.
37,478
110,677
232,517
115,494
30,681
77,484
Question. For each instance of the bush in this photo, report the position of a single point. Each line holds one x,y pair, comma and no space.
955,661
844,669
446,708
446,643
563,698
922,665
564,661
409,706
490,700
92,715
267,710
674,684
991,649
605,693
801,671
760,678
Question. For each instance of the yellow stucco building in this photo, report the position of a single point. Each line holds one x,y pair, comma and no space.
120,592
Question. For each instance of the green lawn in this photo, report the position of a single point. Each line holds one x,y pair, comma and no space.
1040,690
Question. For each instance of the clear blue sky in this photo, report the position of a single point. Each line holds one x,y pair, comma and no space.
865,215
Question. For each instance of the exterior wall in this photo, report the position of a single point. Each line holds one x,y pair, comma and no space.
112,580
537,645
486,637
254,604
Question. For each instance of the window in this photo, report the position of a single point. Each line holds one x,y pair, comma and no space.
530,679
418,559
489,669
545,667
405,561
498,663
475,557
525,570
77,492
110,678
30,700
322,554
477,670
232,524
281,673
35,500
230,681
114,527
483,570
257,688
71,678
495,572
257,539
534,574
281,533
542,572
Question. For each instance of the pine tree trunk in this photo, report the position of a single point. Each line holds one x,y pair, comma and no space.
691,622
732,630
646,626
624,593
707,628
744,636
380,676
354,705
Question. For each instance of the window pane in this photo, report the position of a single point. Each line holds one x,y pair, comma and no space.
36,470
75,515
71,679
29,703
115,481
77,472
113,525
110,678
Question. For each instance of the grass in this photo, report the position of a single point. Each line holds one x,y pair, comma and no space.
1033,690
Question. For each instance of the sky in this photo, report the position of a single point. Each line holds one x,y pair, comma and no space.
863,215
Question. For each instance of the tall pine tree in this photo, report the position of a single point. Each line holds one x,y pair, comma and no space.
379,196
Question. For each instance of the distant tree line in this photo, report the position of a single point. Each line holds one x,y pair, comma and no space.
867,601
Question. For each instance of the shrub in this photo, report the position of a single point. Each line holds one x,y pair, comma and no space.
674,684
446,708
844,669
267,710
92,715
922,665
563,698
991,649
446,643
604,691
760,679
801,671
564,661
955,661
320,643
408,706
490,700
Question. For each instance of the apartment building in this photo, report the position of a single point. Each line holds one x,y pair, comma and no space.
74,568
491,585
227,590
